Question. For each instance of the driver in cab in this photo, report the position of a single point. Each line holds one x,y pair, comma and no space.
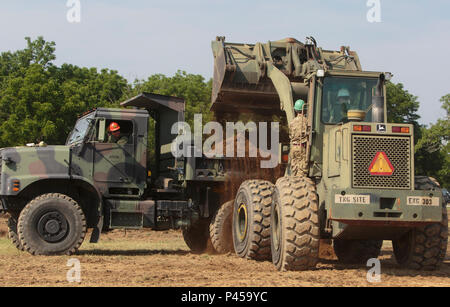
115,136
342,105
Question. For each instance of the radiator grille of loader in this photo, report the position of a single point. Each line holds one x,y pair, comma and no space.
398,151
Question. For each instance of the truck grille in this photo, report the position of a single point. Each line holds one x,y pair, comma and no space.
398,152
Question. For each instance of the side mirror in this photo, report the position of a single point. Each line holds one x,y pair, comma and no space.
101,130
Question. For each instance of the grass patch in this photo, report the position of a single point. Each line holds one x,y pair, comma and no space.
6,247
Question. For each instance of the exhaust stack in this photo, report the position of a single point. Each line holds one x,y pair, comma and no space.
378,101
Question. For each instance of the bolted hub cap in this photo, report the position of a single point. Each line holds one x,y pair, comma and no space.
53,227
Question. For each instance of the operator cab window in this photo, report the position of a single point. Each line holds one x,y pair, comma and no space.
126,132
341,94
80,130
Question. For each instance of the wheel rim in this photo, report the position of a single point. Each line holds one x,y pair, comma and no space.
52,227
276,231
242,221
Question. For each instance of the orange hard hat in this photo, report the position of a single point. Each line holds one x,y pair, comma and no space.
114,127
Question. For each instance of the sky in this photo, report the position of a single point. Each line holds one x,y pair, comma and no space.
139,38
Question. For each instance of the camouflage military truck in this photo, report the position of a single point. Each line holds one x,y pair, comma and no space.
360,188
53,194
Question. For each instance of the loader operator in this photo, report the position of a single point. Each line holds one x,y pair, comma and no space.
115,135
339,111
298,135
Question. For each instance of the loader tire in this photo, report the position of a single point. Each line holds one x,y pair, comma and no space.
251,220
52,224
426,183
220,229
12,233
295,232
356,251
197,237
424,248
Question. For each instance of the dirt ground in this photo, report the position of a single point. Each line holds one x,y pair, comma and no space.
146,258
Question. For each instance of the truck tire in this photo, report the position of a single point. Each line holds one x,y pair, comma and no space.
295,232
356,251
251,220
423,248
12,233
52,224
196,236
220,229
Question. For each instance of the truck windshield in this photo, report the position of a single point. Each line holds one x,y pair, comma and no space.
341,94
80,130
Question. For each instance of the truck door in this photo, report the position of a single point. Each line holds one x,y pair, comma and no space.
114,159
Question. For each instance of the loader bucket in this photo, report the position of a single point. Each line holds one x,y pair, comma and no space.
268,78
242,81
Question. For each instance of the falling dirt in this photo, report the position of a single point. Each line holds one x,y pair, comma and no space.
246,168
147,258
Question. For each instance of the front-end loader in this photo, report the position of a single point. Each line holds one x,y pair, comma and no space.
360,187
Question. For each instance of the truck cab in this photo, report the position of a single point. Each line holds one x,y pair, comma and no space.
105,180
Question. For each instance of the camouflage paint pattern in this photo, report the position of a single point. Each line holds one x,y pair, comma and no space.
110,166
117,171
102,165
32,164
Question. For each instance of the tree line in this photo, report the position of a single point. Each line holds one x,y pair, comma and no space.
41,101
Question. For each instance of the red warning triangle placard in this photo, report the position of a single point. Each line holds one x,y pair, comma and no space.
381,166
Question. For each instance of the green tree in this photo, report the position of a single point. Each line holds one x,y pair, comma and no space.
192,88
37,52
40,101
433,149
402,107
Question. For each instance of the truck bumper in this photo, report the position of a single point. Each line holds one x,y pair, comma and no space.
357,214
395,207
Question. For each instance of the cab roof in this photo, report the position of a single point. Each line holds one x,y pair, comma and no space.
150,101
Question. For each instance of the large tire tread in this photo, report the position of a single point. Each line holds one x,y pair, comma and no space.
299,202
197,237
428,244
13,235
220,229
424,248
261,192
22,220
